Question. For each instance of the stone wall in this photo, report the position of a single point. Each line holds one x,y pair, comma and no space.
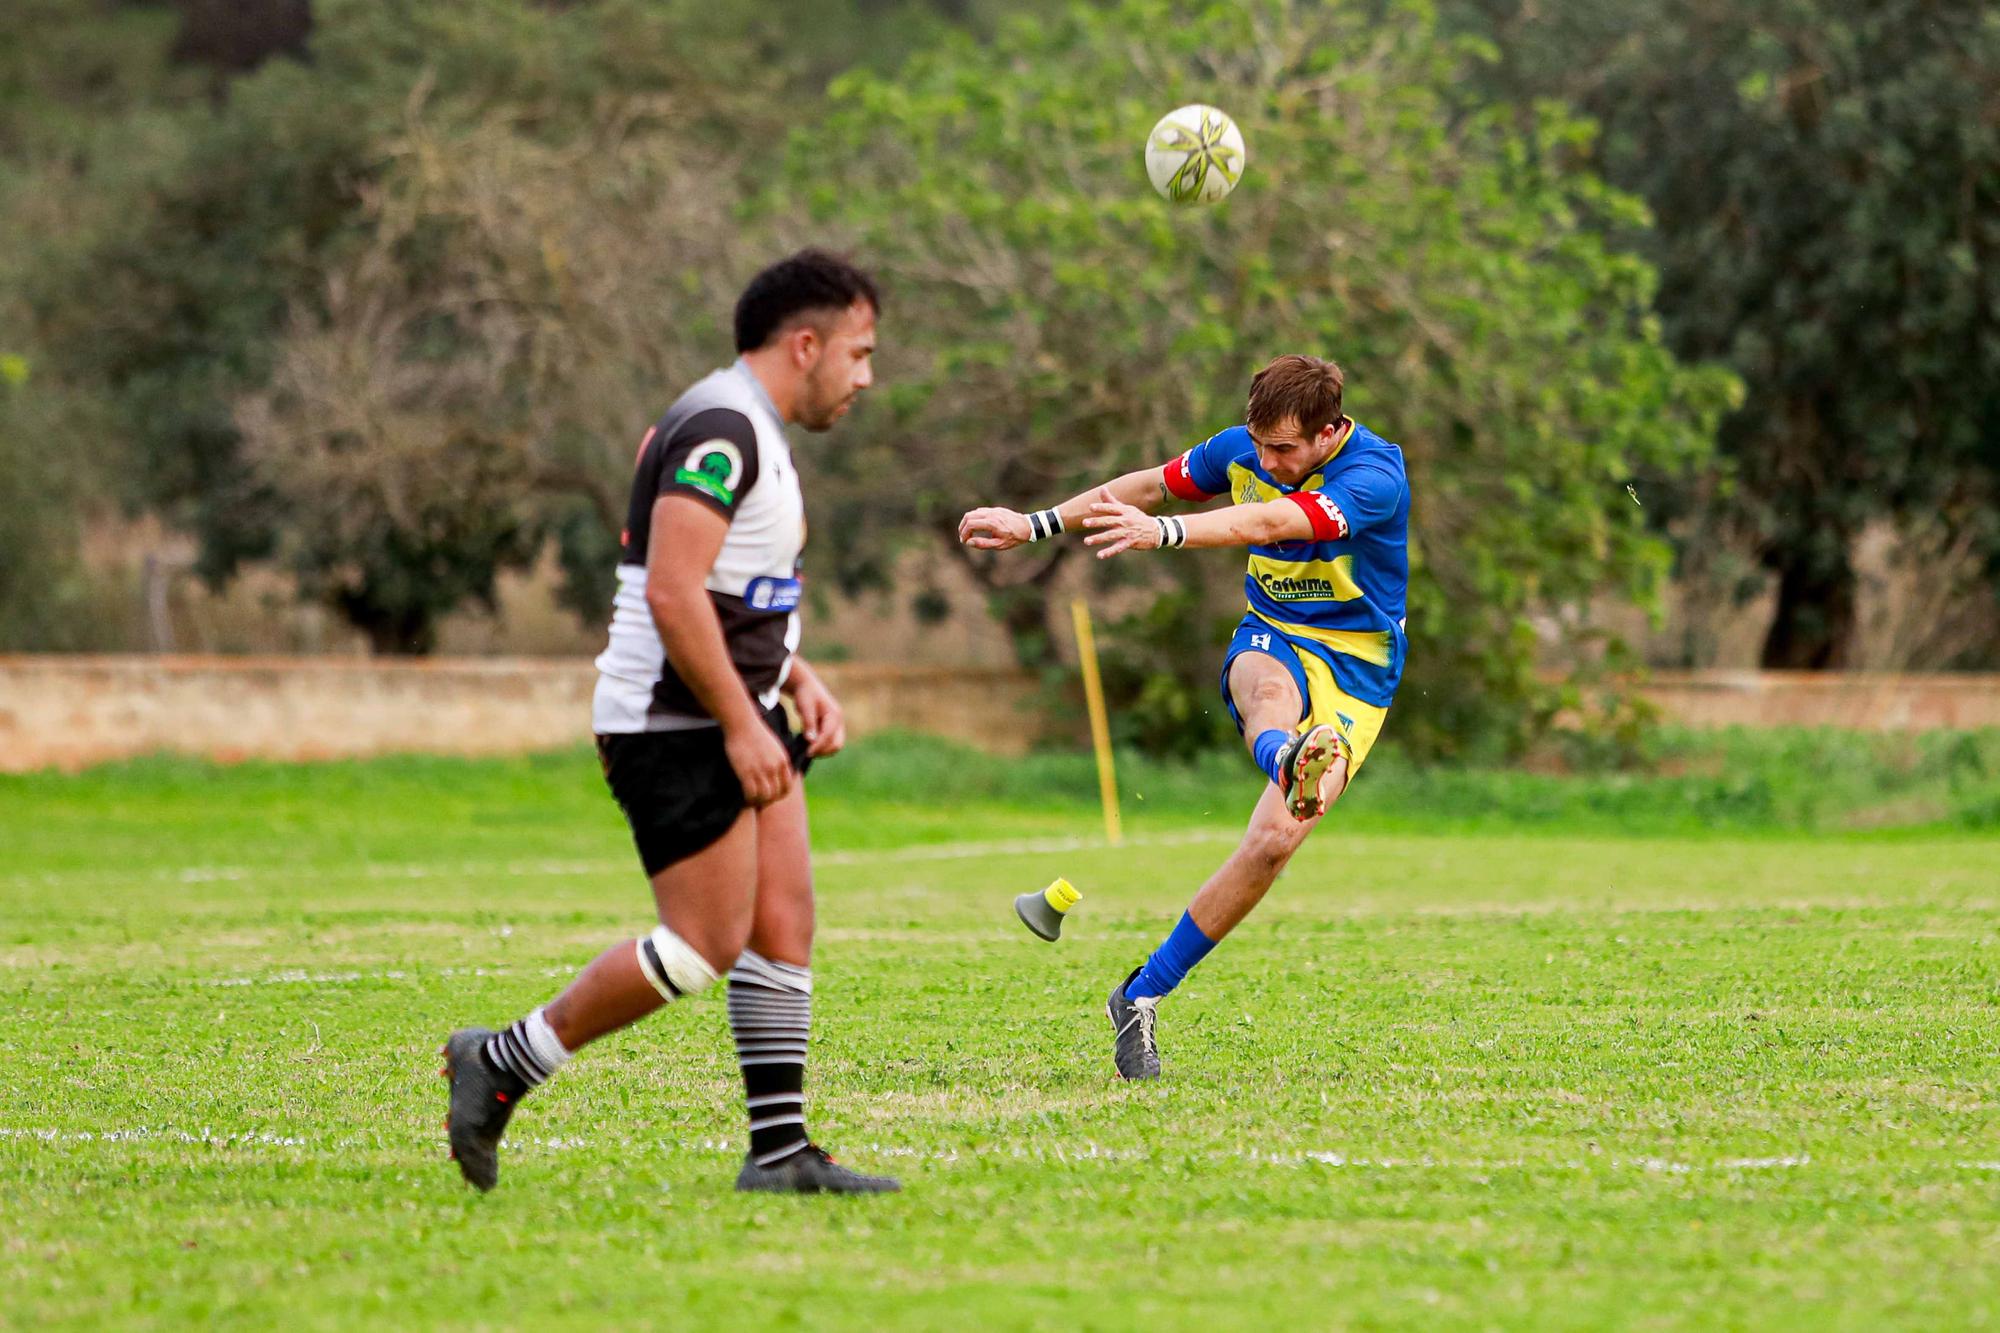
67,712
1858,700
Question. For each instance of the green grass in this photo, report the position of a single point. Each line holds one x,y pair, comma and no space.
1500,1050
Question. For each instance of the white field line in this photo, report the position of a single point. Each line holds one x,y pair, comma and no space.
1060,1153
949,851
294,976
142,1133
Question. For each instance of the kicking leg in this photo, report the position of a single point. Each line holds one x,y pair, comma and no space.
1268,701
770,1014
704,904
1241,882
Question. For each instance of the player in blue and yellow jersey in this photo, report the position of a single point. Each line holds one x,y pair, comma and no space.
1323,503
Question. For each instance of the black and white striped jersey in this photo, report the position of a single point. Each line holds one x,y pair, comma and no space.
723,444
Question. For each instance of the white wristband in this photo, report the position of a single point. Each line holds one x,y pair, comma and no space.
1044,524
1173,532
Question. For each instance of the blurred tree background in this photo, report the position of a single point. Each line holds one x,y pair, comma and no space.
1825,179
1691,304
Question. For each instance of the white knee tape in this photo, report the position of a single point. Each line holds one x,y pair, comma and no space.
672,965
754,969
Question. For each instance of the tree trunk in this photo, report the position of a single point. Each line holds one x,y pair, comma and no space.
393,633
1024,610
236,36
1815,623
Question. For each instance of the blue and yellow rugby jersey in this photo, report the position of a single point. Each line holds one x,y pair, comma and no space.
1344,591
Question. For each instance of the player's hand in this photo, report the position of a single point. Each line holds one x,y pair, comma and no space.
761,762
820,718
994,529
1119,526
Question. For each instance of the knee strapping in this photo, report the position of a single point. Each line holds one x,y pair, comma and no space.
672,965
754,969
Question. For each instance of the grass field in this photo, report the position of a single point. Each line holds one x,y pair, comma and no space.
1498,1052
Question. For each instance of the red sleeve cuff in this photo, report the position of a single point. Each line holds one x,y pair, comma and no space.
1181,484
1329,524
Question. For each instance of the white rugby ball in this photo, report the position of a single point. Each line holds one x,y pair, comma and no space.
1195,154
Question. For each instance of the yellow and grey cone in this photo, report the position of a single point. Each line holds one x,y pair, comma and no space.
1043,912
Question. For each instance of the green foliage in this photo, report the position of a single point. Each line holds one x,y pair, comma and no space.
1052,322
276,298
71,70
1826,179
78,84
38,521
559,186
1162,666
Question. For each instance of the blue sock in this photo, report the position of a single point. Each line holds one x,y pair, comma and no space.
1175,957
1269,744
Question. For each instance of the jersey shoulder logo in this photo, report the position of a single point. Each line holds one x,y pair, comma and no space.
1332,512
713,468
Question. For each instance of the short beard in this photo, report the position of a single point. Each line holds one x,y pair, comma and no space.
821,418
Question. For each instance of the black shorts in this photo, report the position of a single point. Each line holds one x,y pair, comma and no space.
677,789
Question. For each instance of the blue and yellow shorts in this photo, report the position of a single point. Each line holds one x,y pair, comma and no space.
1323,699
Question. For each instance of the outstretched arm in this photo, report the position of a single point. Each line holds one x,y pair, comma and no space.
994,529
1117,526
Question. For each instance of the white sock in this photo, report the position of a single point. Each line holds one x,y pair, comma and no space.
529,1050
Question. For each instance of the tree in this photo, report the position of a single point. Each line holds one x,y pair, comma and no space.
232,36
1826,179
238,268
474,378
38,523
170,315
82,93
1051,321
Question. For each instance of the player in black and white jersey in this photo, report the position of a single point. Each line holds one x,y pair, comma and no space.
695,745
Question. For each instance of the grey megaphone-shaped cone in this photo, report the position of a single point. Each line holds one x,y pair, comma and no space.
1038,916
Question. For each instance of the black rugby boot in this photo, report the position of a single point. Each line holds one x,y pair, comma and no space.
482,1099
1134,1051
811,1171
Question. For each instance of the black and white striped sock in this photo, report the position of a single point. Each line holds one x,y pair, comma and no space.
529,1050
770,1011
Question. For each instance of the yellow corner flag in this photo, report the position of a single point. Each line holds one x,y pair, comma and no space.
1100,722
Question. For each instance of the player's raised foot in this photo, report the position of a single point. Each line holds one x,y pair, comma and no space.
1304,765
482,1098
1133,1051
811,1171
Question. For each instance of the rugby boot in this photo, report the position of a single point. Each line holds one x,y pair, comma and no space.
1134,1051
810,1171
482,1099
1303,765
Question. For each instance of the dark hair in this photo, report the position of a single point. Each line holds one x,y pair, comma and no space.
809,280
1304,389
